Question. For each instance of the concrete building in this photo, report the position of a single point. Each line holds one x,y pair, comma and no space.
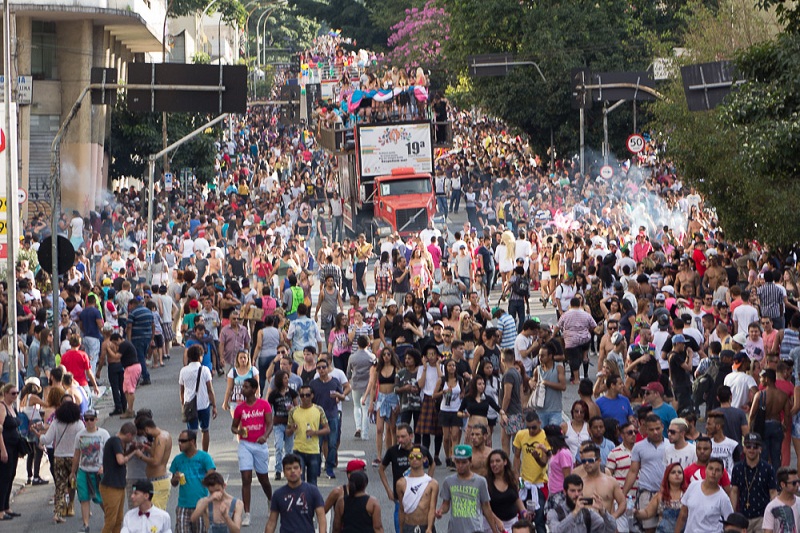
203,33
56,43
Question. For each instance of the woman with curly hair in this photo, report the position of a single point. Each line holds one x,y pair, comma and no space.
61,436
666,504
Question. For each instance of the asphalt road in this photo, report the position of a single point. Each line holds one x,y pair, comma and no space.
162,398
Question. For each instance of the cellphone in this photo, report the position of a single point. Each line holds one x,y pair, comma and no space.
588,501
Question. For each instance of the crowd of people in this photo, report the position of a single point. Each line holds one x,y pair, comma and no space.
427,341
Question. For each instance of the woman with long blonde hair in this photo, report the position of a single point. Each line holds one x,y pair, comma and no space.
504,255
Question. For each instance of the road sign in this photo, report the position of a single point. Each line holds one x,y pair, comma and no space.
22,196
2,139
168,182
490,65
606,172
24,89
104,75
232,100
581,98
634,80
635,143
707,84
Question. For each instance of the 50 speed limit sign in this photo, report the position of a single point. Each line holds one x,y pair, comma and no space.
635,143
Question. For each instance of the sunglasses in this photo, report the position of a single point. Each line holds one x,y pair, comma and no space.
415,456
672,431
320,367
590,461
305,395
14,393
282,352
795,482
89,418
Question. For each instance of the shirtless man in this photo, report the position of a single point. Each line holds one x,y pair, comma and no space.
597,484
156,461
418,503
778,403
116,373
714,275
480,452
686,277
219,508
606,345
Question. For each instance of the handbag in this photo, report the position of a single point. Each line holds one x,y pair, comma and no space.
190,408
536,401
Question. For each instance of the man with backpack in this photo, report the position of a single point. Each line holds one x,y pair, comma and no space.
518,292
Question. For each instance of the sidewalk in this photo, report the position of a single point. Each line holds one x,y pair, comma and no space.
104,405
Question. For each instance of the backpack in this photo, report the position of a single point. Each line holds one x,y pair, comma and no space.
521,286
705,383
130,269
297,298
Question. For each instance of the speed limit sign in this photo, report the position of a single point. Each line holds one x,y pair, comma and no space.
635,143
606,172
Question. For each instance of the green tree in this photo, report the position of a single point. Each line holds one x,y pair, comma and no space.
742,155
134,136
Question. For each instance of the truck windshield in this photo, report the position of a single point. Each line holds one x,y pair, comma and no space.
409,186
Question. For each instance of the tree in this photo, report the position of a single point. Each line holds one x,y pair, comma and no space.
350,16
557,36
134,136
741,156
418,40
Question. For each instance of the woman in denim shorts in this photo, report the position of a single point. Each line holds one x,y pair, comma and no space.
383,409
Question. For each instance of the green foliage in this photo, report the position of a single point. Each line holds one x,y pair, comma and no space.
460,93
232,10
350,16
134,136
201,58
742,155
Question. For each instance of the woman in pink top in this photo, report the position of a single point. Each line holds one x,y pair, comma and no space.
560,464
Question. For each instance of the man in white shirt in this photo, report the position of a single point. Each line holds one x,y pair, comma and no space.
144,516
677,450
705,505
190,387
745,314
743,385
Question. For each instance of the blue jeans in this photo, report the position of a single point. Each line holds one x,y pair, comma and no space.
550,418
337,233
283,445
516,308
310,464
441,204
397,516
539,518
773,438
332,439
141,345
455,200
263,365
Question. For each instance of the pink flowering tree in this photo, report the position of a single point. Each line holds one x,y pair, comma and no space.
418,40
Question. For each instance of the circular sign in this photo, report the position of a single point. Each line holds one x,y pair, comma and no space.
606,172
635,143
22,196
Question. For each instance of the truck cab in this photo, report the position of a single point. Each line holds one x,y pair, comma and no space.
403,203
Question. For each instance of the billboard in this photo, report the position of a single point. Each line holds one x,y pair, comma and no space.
386,147
9,207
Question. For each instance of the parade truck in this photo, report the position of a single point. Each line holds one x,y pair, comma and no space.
385,176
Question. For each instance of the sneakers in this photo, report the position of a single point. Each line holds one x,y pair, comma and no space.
39,481
277,476
246,520
84,529
437,461
357,435
376,462
330,473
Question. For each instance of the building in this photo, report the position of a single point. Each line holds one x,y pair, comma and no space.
56,43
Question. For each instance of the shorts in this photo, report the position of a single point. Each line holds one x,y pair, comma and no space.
545,276
88,485
161,489
158,341
516,423
253,456
131,378
796,426
643,497
386,405
448,419
202,421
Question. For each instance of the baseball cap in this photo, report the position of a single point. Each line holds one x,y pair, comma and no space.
438,323
740,356
462,451
34,380
668,289
617,338
356,464
436,290
740,339
90,412
194,303
678,338
654,386
143,485
390,303
660,297
736,520
752,438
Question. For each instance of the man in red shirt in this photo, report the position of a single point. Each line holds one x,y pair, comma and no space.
252,422
697,470
77,363
699,258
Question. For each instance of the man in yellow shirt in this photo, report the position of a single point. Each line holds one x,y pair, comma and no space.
309,422
531,453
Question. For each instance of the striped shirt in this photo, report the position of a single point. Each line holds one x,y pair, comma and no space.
771,297
508,329
618,463
329,269
141,321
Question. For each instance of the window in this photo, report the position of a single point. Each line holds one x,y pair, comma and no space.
409,186
43,51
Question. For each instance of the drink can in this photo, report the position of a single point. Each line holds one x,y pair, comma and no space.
244,433
182,478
